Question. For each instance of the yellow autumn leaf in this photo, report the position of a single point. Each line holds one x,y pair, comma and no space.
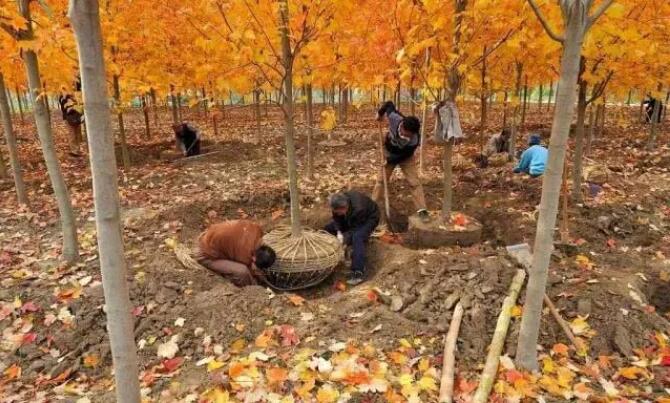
214,365
405,343
580,327
424,364
328,119
632,372
216,395
405,379
584,262
238,345
427,383
548,366
516,311
327,394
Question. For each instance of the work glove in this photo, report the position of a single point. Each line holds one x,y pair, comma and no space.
340,237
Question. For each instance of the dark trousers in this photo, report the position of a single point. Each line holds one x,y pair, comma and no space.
357,238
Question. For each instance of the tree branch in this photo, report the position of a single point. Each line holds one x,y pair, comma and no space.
545,23
494,47
599,12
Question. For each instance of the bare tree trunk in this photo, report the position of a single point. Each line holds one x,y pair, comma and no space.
67,219
15,162
505,104
576,23
630,97
20,102
589,139
179,107
579,142
665,110
539,98
551,94
86,23
482,101
651,143
310,132
8,95
175,112
515,112
125,157
154,106
205,103
525,104
287,61
145,111
454,80
257,115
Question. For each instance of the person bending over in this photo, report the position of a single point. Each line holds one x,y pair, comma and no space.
235,250
355,217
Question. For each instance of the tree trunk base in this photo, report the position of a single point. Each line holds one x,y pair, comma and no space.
436,233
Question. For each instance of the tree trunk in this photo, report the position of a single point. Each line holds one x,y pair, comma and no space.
515,112
651,143
145,111
287,61
603,109
257,115
310,132
525,104
575,27
579,143
20,102
589,139
630,97
125,157
86,23
10,138
505,104
67,219
205,103
539,98
8,95
179,107
175,112
665,110
154,106
454,80
483,104
551,94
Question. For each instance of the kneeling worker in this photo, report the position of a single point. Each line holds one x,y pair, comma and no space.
534,159
355,217
188,139
235,250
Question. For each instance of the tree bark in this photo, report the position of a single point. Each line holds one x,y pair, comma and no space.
589,139
525,104
20,102
651,143
125,157
287,62
579,142
175,112
551,94
505,104
67,219
539,98
576,20
10,138
257,115
205,104
482,102
86,24
154,106
515,112
310,132
179,107
9,101
145,111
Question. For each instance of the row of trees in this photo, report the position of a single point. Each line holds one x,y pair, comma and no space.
434,49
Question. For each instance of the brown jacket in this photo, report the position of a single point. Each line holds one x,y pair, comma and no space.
235,240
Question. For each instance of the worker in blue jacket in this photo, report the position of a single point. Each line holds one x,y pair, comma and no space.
534,159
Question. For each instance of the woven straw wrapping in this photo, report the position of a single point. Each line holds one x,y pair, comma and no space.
302,261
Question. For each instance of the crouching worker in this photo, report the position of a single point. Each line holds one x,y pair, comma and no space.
234,249
497,144
355,217
188,139
534,159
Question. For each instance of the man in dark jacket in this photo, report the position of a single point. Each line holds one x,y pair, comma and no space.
402,140
355,217
188,139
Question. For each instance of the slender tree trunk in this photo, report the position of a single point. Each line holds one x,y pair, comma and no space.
15,162
575,27
551,94
86,23
145,111
154,106
454,80
525,104
630,97
665,109
310,132
539,98
515,112
175,112
482,101
505,104
579,143
603,110
20,103
651,143
179,107
589,139
67,219
125,157
8,95
257,115
205,103
287,61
